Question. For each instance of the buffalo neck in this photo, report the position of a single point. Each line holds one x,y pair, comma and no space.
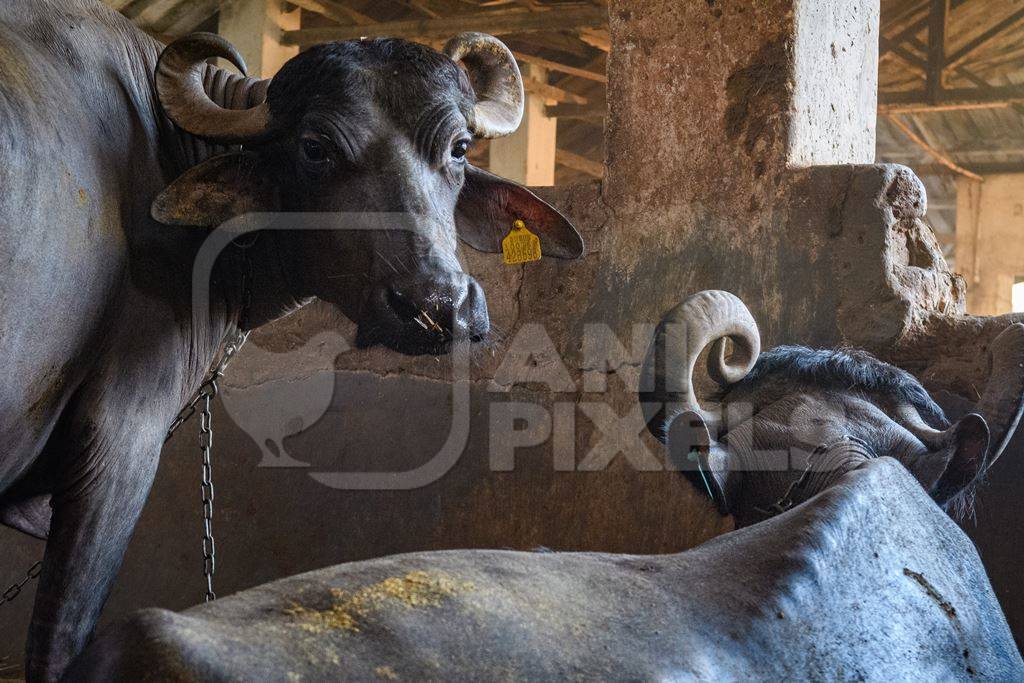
247,287
807,475
253,279
830,463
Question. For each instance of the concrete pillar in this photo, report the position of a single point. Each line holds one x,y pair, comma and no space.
720,97
254,27
717,111
989,244
528,155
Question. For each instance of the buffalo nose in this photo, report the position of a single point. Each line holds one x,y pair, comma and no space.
423,314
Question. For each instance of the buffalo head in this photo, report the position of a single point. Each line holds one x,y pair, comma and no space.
785,424
364,134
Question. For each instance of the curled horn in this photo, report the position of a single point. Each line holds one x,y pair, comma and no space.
911,419
1003,400
706,318
180,75
496,80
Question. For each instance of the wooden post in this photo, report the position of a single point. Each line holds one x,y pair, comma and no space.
528,155
255,28
936,49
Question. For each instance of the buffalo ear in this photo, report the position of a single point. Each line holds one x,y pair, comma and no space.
692,451
489,205
963,458
216,191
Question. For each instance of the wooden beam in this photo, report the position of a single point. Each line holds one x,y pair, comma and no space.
997,94
184,17
594,110
904,12
917,26
958,70
966,156
550,92
562,42
931,151
562,68
599,39
932,108
965,51
416,6
920,66
937,21
906,33
134,10
916,63
336,11
497,23
981,169
598,64
579,163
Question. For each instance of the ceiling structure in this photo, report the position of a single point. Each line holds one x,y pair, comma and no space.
949,100
951,103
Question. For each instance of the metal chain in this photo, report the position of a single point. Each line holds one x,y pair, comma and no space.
230,351
205,445
15,589
786,502
208,391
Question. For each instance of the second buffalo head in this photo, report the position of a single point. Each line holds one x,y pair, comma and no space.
786,424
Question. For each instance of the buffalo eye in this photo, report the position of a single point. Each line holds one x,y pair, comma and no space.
460,149
314,152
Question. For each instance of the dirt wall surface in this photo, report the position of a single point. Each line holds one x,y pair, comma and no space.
717,110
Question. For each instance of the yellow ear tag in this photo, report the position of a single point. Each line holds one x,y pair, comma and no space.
521,245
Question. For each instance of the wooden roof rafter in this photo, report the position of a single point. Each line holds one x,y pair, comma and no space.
497,22
938,65
335,11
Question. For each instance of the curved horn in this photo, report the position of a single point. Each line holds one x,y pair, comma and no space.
704,318
496,80
1003,400
179,83
912,421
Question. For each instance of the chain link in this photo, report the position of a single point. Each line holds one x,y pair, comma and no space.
16,588
786,502
205,445
230,351
208,391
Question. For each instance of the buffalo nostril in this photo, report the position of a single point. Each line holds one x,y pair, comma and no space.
401,306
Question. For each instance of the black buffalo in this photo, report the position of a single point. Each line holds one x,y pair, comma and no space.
117,157
867,581
766,440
